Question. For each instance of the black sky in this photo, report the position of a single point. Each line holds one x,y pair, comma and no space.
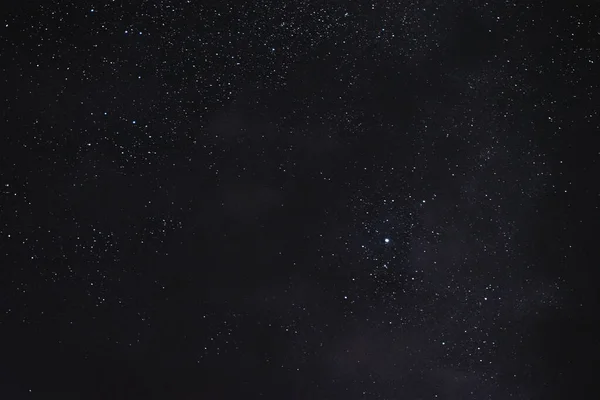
302,200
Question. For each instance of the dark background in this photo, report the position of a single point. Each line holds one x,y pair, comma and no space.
195,199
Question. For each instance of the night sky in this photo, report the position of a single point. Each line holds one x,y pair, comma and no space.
299,200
